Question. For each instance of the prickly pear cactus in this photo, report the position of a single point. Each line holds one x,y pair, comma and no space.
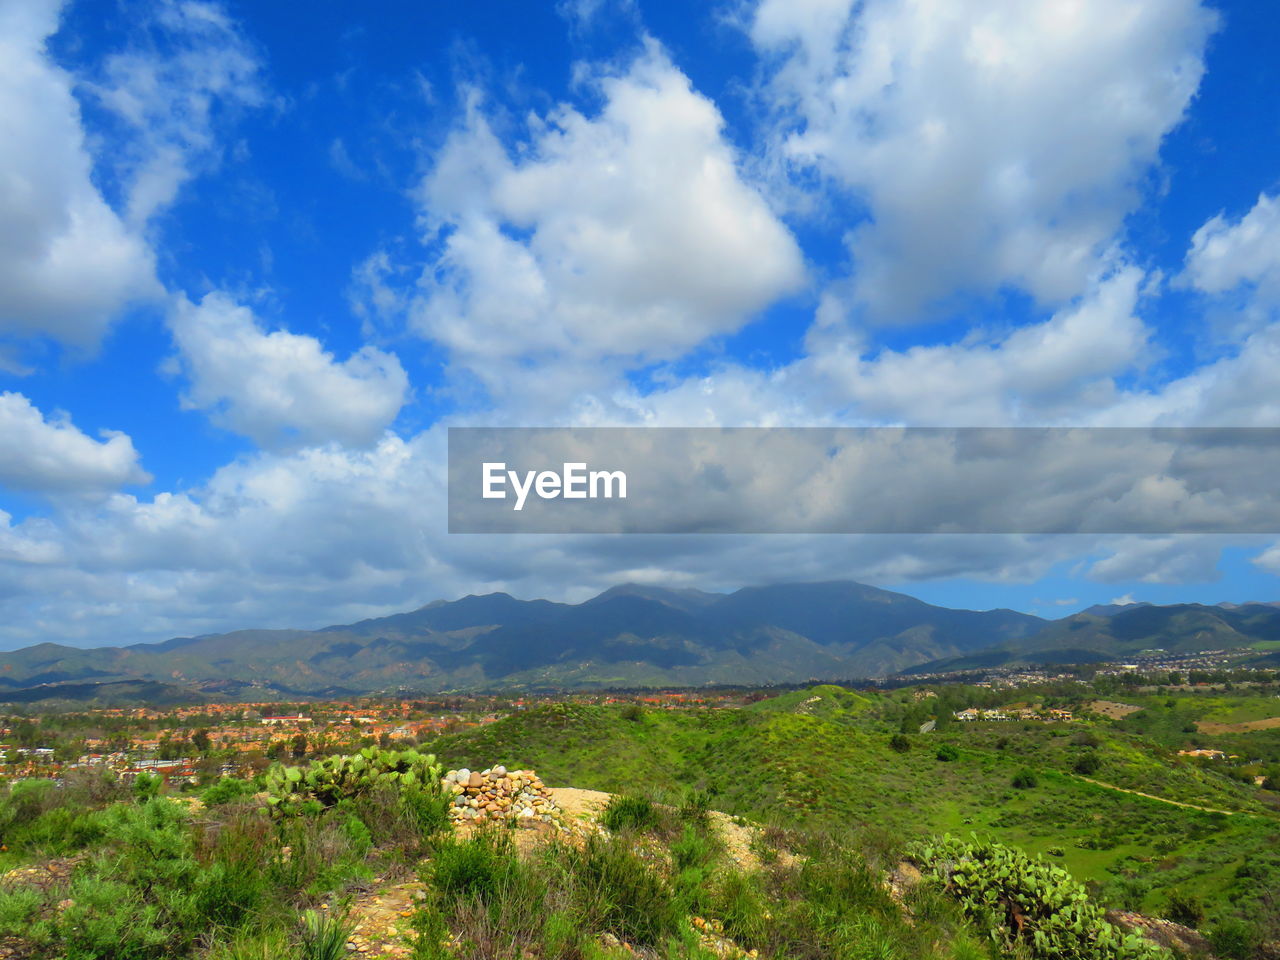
337,778
1025,903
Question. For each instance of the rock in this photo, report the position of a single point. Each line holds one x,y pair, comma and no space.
497,793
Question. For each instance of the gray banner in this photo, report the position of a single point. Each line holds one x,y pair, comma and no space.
863,480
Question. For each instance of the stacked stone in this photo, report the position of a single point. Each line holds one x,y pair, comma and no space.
499,794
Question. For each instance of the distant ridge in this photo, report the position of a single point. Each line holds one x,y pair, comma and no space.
631,635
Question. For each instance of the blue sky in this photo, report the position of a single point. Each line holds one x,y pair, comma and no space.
256,261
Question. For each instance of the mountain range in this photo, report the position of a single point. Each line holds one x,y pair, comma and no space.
629,636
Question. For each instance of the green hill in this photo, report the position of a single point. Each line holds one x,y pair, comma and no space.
824,756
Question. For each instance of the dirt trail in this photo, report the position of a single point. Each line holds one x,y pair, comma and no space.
381,917
382,913
1149,796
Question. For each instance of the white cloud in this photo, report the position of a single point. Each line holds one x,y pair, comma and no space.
52,456
68,265
1062,370
1049,372
1236,265
171,98
630,234
993,143
1241,389
1176,559
282,389
325,535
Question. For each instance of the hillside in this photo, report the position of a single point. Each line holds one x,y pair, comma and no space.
1111,633
826,757
627,636
396,873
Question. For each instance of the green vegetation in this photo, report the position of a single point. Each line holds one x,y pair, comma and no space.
836,788
152,877
803,760
1025,903
334,779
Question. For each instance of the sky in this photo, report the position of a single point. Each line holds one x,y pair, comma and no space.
255,260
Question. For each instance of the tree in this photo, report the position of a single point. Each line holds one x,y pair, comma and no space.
200,740
299,746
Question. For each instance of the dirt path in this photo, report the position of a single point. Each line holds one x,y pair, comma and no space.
1149,796
381,917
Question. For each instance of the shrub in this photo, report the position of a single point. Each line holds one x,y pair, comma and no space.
1026,904
613,890
899,743
1023,780
1128,892
18,908
147,785
1087,765
227,790
474,869
695,808
324,936
1185,908
947,753
1234,940
626,812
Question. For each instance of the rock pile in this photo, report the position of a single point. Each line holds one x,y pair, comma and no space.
500,794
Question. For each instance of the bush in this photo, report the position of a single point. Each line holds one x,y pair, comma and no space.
948,753
227,790
614,891
695,808
474,869
1185,908
626,812
324,936
899,743
1234,940
1026,904
147,785
1087,765
1024,780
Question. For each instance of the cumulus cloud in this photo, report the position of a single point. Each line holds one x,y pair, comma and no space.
1226,254
68,264
1057,370
992,143
282,389
626,234
52,456
1159,560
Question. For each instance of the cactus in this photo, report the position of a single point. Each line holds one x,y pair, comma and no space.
1027,902
344,777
